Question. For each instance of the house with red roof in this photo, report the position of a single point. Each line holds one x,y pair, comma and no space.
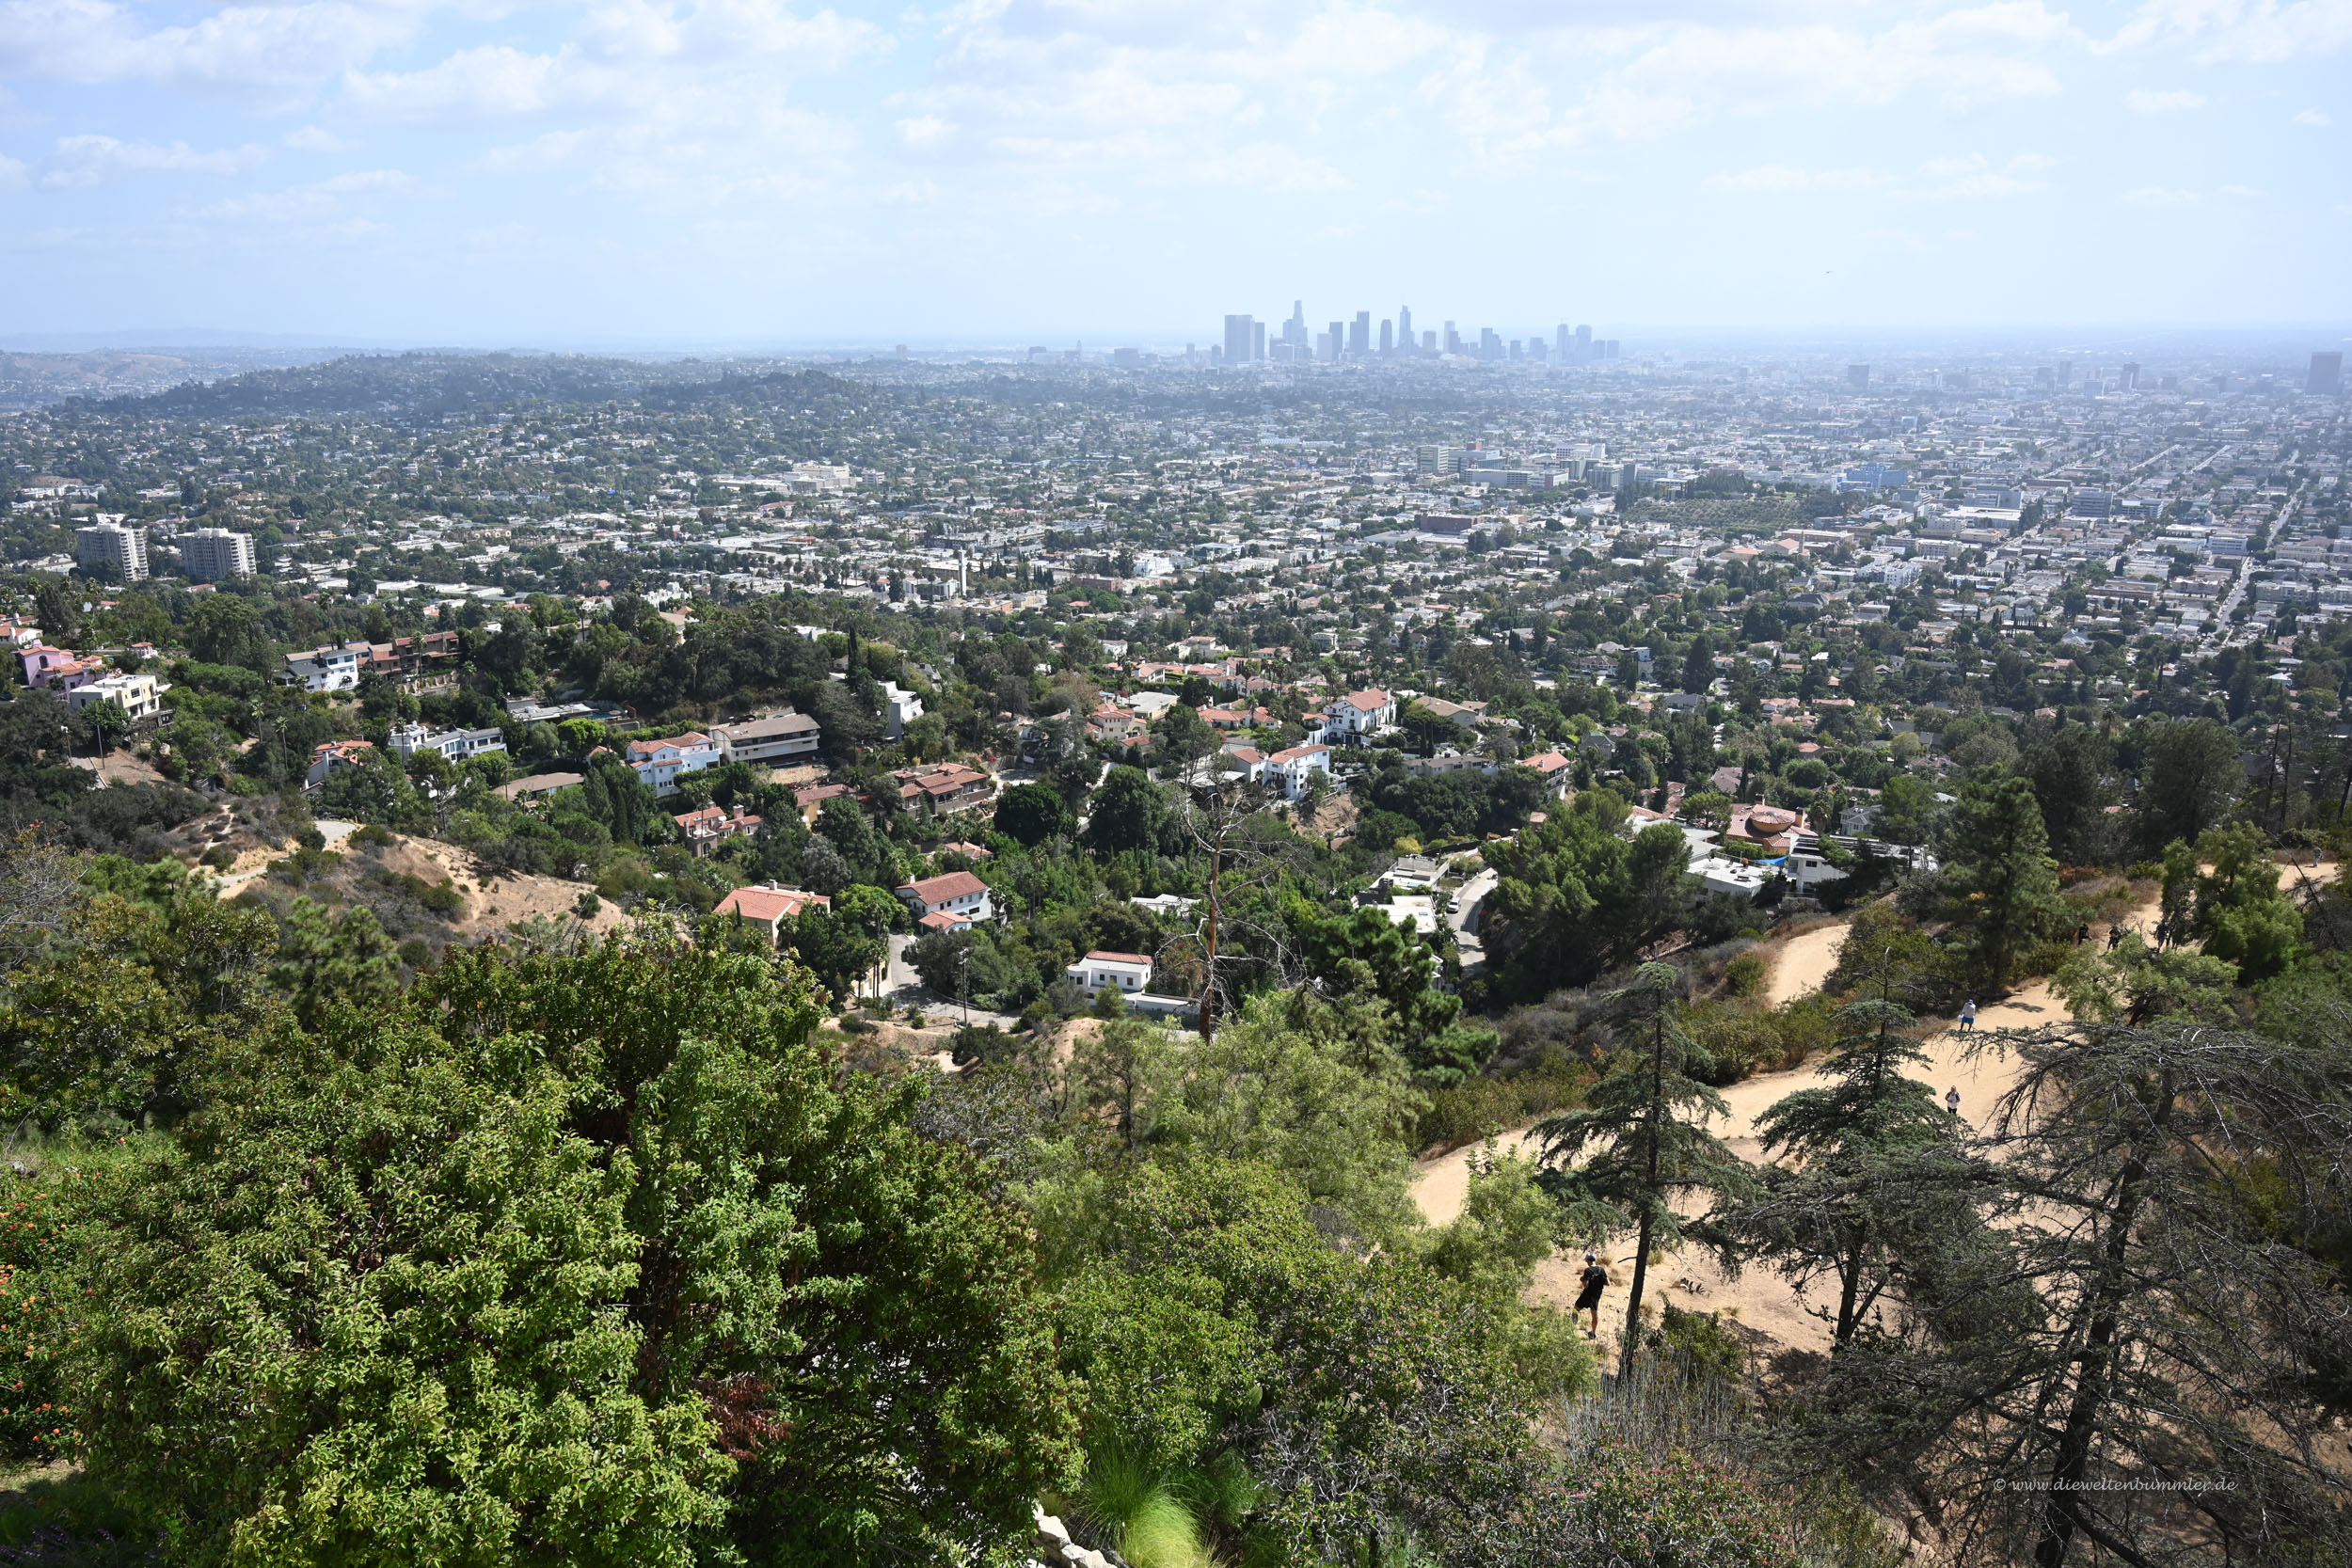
661,763
712,826
1127,974
769,905
956,899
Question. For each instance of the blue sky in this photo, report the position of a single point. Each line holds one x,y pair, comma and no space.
763,172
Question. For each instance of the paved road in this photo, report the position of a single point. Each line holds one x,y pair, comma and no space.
1468,918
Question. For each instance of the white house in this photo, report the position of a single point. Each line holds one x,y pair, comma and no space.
660,762
950,900
456,745
775,737
1288,770
326,668
141,695
900,709
1350,719
1124,973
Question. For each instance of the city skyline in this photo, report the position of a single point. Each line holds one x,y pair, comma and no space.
747,172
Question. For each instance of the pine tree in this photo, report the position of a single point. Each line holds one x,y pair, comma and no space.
1874,1169
1640,1139
1998,871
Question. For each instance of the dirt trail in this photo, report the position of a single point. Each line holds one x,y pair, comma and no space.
1803,963
1759,1299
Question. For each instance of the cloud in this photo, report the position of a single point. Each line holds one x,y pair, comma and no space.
79,161
2316,119
1269,167
12,173
2157,197
315,138
1786,179
925,131
2256,32
669,63
267,50
315,204
2142,102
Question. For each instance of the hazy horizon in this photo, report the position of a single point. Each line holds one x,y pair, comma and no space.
750,171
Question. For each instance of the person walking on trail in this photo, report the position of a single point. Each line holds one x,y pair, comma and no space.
1951,1099
1594,1280
2115,938
1968,1015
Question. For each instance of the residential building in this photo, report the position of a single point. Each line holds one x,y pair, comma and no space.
42,663
662,762
112,547
769,905
765,741
706,828
456,745
331,756
1289,770
140,694
335,669
1559,772
944,787
1124,973
955,899
900,709
215,554
1354,718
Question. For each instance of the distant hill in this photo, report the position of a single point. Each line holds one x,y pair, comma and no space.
429,385
31,380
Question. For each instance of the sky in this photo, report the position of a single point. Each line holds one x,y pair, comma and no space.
745,173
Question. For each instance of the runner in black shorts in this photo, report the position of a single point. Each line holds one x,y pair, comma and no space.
1596,1280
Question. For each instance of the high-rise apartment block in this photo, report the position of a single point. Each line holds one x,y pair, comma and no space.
1404,326
1239,336
215,554
111,545
2326,372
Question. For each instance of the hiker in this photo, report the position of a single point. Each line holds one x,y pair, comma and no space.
1968,1015
2082,933
1951,1099
2115,938
1596,1280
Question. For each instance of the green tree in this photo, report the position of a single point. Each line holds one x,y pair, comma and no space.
1128,813
1641,1140
1182,737
2225,893
2074,782
1872,1183
1032,812
1698,664
2190,779
838,952
1998,873
582,1258
105,722
327,960
1574,899
1907,811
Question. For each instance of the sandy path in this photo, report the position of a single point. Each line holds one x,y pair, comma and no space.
1803,963
1763,1300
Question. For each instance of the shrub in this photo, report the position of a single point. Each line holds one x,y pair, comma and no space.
443,899
1745,975
34,1328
